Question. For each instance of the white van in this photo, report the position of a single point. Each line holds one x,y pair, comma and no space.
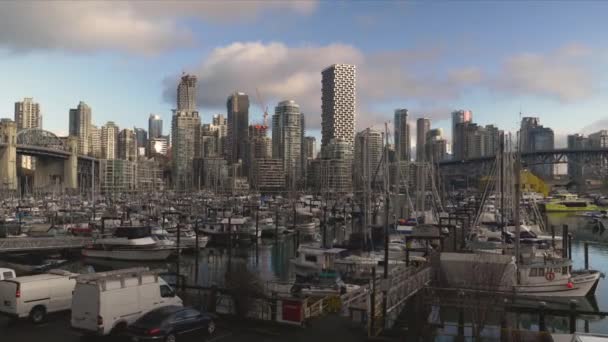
107,302
37,295
6,273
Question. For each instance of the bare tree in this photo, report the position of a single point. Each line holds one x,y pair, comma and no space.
245,287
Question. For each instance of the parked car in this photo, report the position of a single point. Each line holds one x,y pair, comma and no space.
170,323
107,302
37,295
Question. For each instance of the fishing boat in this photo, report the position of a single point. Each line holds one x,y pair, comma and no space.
129,243
553,277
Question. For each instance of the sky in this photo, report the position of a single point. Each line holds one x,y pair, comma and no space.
498,59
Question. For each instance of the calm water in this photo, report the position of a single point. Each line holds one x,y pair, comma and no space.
271,262
598,260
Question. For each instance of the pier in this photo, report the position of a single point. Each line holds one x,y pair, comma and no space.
28,244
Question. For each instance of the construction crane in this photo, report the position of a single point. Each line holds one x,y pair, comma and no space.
262,105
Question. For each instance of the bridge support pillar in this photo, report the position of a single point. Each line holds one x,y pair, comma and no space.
8,156
48,174
70,166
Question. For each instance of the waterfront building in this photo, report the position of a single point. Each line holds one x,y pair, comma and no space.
186,93
158,146
268,175
436,146
219,125
534,137
95,141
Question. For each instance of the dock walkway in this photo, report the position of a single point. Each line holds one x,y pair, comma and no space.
28,244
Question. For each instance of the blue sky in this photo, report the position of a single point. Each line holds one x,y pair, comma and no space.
547,59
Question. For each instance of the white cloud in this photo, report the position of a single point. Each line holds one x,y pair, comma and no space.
283,72
559,74
145,27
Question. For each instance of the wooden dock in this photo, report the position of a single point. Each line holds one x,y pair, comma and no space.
28,244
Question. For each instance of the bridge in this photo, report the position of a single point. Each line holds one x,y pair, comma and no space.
590,156
55,166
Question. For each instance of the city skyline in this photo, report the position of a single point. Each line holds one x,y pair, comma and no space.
563,71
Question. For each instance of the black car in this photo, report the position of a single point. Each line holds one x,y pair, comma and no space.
170,322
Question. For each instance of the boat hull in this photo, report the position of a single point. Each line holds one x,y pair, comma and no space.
582,285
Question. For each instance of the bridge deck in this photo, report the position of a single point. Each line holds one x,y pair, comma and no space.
46,243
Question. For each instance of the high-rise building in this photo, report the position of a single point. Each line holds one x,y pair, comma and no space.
155,126
27,114
310,147
95,141
142,136
402,135
338,103
238,127
127,145
534,137
260,144
459,120
436,146
142,141
185,126
186,93
80,123
287,139
575,168
206,145
219,125
422,128
109,141
368,154
599,139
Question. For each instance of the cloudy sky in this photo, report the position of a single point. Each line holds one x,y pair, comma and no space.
546,58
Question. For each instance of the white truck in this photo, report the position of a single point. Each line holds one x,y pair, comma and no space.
37,295
107,302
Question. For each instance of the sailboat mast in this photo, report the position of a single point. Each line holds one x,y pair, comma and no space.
516,204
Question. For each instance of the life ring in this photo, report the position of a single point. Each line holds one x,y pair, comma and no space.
550,276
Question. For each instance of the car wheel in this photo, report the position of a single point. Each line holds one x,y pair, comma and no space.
170,338
38,314
211,328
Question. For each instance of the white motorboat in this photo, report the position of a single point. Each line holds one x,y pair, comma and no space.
129,243
312,260
187,239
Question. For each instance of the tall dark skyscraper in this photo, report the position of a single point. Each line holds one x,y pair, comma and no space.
238,127
422,128
402,135
155,126
142,137
460,119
